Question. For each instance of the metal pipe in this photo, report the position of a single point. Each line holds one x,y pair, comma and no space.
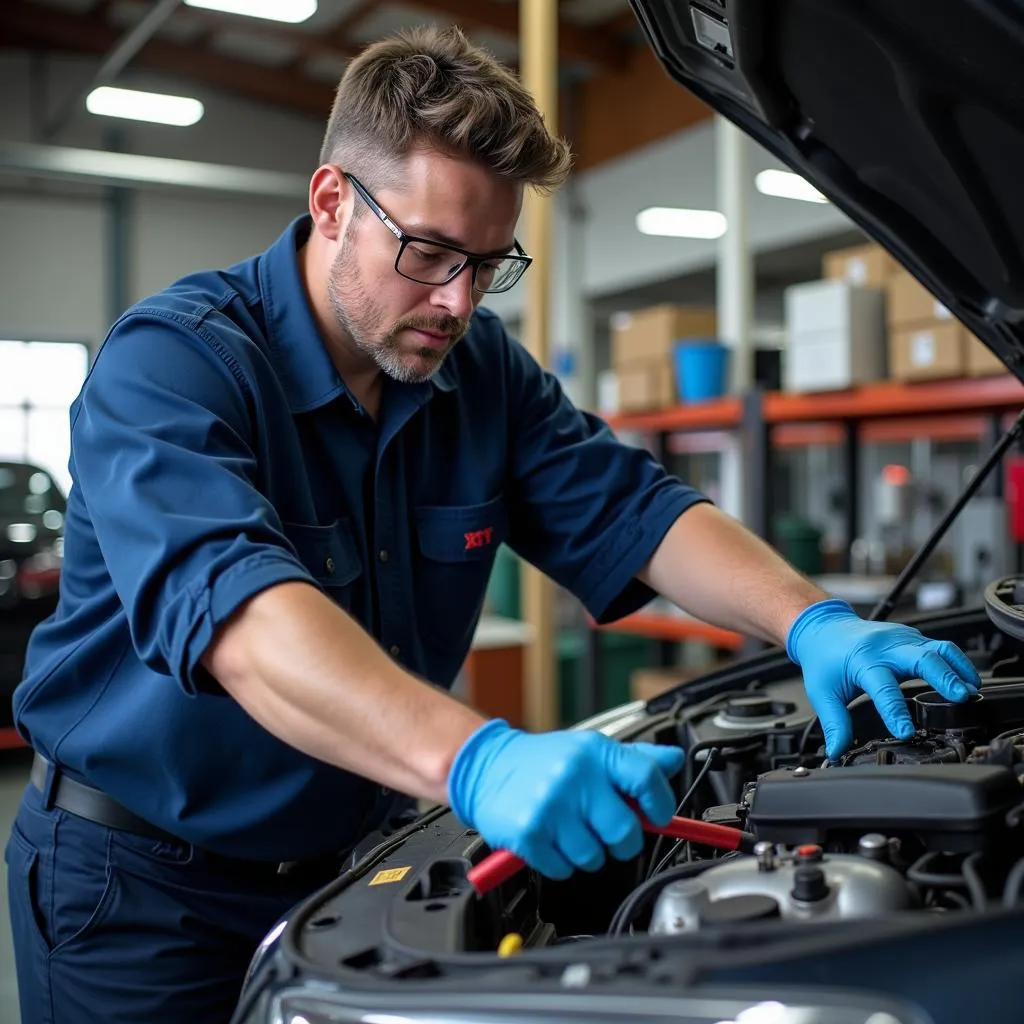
96,167
117,60
734,286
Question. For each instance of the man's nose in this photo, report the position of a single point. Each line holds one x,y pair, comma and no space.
457,296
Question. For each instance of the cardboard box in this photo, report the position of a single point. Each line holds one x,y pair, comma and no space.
647,683
928,351
651,333
909,303
835,336
646,387
863,265
980,360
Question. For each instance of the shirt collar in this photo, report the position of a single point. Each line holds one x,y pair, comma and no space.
307,373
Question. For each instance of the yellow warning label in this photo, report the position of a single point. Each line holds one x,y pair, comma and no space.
391,875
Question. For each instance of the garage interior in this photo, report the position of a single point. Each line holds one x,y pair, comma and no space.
710,305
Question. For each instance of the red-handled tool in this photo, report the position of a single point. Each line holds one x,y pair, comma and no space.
501,865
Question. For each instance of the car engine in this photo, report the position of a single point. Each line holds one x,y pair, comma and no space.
900,855
932,823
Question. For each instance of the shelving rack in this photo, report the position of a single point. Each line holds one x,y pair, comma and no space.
947,410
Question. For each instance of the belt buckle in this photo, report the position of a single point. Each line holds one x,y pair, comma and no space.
50,785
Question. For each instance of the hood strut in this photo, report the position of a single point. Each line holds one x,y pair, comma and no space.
884,608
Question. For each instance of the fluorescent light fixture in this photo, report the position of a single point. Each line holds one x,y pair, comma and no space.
786,185
668,220
290,11
155,107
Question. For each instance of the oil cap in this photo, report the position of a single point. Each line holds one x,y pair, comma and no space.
809,853
809,884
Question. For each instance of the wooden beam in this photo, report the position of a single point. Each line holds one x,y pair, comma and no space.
575,42
619,23
539,63
620,111
338,33
29,24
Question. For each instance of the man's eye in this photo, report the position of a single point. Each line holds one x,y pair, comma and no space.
428,255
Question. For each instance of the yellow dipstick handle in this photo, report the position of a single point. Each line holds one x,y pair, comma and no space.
510,945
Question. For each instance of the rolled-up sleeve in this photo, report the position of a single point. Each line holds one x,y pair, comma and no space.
163,451
587,509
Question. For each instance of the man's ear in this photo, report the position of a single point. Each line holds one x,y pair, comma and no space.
330,201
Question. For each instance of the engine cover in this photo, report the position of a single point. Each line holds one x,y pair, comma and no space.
951,807
805,885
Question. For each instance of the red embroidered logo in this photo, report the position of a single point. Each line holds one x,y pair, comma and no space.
479,538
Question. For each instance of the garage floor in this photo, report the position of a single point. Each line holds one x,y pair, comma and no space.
13,776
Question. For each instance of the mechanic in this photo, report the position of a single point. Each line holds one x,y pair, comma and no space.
290,479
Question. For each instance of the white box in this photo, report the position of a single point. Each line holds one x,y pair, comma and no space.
835,336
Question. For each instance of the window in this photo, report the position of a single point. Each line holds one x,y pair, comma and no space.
38,382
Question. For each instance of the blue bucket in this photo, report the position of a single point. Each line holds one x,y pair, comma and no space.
701,370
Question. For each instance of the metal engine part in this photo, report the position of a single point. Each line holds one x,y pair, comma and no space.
804,884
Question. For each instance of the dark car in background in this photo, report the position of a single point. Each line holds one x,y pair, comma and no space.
32,511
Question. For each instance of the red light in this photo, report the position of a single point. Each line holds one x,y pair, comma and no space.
896,475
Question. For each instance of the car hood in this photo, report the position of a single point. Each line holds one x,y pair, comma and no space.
908,116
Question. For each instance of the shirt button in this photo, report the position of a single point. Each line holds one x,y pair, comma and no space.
383,554
395,651
329,565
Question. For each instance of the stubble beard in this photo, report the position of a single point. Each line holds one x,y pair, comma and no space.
361,317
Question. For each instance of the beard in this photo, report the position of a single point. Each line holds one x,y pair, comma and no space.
364,320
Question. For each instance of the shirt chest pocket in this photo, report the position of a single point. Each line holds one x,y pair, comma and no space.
330,554
457,545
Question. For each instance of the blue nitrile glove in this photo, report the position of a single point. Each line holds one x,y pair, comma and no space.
841,654
553,798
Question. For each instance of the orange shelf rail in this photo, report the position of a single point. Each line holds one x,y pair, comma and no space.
716,415
954,427
669,627
893,398
931,401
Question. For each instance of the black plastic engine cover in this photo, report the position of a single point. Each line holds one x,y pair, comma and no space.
952,807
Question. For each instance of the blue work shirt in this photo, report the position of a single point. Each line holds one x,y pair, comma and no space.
217,452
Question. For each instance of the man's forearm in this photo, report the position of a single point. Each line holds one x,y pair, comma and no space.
308,673
713,567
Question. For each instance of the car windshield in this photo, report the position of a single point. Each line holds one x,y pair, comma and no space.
27,490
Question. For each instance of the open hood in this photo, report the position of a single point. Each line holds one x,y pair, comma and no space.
907,115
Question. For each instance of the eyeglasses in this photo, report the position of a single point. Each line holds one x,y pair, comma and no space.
425,261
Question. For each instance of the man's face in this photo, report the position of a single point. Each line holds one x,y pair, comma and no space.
405,327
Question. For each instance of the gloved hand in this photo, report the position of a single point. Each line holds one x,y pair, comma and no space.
841,654
554,800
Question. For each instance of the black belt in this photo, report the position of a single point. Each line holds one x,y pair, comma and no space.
94,805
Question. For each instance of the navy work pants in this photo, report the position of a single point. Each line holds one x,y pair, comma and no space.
113,927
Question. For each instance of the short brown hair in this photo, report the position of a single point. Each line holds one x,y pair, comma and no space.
431,86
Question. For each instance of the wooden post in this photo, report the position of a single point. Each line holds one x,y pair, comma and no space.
538,58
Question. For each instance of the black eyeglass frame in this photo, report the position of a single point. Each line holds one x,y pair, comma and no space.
471,259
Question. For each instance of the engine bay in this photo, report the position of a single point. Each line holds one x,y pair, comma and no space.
920,838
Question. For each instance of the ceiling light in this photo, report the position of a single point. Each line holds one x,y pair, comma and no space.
668,220
154,107
787,185
290,11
